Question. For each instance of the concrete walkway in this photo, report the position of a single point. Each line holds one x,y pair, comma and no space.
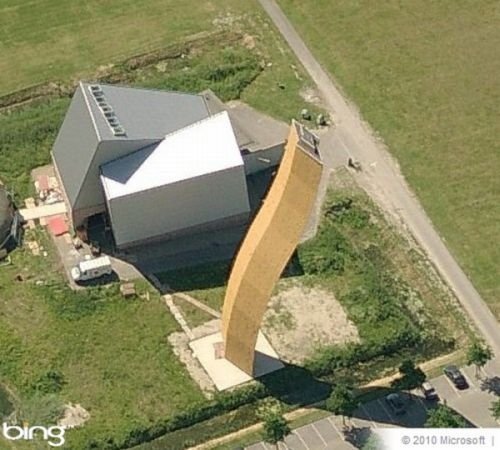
382,179
43,211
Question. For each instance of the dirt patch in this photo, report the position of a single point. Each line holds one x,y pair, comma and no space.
301,319
310,95
74,416
249,41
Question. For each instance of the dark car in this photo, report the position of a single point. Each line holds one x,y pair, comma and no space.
456,377
396,402
429,392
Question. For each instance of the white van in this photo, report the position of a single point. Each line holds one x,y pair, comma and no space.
91,269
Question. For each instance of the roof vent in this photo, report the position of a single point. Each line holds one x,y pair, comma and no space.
107,110
119,131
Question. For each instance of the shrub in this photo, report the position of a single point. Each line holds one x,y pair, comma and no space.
330,359
41,409
50,382
345,210
227,74
327,253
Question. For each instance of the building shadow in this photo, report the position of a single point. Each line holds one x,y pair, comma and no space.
187,254
296,386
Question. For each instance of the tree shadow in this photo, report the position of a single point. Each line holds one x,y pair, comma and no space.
491,385
414,415
357,436
297,387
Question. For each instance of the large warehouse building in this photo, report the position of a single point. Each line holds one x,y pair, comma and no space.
159,164
175,186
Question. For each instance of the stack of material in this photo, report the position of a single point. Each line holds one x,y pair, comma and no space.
127,290
34,247
57,225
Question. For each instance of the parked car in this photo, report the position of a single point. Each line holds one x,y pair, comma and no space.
91,269
429,392
396,402
456,377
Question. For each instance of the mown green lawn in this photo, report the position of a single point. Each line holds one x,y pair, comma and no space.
48,40
425,75
113,354
5,403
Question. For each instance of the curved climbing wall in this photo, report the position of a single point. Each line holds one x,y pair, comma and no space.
269,244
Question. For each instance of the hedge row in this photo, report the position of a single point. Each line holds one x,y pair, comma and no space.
222,403
331,359
117,73
405,343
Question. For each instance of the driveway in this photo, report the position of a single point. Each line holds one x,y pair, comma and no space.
382,179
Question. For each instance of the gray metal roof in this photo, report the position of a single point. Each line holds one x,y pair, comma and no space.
75,146
254,130
144,113
86,139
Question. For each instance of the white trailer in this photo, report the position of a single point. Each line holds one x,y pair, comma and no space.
91,269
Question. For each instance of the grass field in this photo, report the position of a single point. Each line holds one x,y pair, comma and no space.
52,39
112,354
5,404
425,76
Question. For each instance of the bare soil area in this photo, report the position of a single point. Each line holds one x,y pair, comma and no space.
74,416
301,319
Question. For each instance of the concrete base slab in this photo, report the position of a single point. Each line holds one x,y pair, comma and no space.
225,374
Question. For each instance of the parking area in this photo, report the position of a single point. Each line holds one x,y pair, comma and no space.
472,403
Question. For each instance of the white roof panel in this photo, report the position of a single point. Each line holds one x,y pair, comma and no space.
201,148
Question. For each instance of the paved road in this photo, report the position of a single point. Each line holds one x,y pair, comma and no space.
382,179
326,433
